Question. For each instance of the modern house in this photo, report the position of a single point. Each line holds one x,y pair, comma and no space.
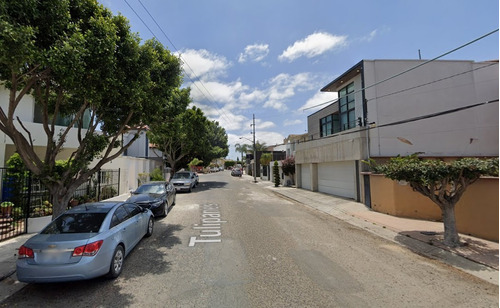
385,108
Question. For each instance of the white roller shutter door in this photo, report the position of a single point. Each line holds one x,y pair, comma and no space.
306,176
338,178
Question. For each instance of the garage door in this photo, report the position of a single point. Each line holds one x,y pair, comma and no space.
306,176
338,179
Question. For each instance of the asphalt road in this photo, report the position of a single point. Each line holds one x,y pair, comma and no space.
231,243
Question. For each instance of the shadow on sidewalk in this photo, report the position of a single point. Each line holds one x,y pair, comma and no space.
473,249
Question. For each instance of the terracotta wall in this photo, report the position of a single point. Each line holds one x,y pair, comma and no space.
476,212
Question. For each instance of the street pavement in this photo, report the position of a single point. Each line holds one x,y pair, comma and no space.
478,257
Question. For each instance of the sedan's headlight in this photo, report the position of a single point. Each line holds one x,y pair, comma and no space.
156,203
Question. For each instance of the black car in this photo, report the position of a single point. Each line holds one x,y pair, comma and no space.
159,197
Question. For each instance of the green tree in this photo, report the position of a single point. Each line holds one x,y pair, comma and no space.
276,174
87,71
260,146
443,182
265,159
157,175
243,149
188,135
173,136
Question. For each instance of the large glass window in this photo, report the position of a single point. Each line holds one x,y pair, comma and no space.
329,125
347,107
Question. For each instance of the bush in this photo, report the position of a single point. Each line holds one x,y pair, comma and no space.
276,174
157,175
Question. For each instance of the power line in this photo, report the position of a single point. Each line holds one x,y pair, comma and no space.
414,119
218,109
408,70
434,81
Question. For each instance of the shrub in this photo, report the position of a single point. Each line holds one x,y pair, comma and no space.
276,174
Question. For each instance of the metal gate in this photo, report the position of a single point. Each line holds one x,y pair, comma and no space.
24,196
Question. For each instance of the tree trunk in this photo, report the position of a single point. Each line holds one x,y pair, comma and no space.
451,238
60,201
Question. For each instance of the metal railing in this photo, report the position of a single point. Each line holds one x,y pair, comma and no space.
23,196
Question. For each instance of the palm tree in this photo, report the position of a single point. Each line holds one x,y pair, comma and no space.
265,159
242,148
260,146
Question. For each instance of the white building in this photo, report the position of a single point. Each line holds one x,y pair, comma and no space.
139,158
398,107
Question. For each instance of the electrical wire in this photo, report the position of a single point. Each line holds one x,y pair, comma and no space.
217,107
408,70
414,119
432,82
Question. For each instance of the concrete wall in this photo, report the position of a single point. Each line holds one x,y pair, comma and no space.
130,168
477,212
336,148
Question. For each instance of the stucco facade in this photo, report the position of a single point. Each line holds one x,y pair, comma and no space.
398,107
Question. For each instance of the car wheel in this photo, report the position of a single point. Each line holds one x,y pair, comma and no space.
151,224
116,266
173,202
190,189
165,209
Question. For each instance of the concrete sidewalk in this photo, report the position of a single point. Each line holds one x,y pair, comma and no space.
478,257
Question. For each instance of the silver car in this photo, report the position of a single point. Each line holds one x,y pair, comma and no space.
184,180
87,241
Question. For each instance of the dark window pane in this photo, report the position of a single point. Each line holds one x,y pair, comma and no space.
76,223
132,209
121,213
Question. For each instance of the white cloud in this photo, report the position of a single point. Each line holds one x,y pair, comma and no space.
269,138
370,36
255,53
260,125
203,64
312,46
292,122
284,86
318,101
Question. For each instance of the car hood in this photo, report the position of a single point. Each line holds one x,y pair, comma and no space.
144,197
181,180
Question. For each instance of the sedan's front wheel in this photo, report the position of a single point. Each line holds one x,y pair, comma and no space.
116,266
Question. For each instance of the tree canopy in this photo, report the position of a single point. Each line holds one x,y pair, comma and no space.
82,64
187,136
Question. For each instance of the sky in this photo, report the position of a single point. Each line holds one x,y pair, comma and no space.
270,58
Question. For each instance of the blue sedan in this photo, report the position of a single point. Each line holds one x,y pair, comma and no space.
85,242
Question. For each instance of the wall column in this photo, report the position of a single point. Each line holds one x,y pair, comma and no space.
314,177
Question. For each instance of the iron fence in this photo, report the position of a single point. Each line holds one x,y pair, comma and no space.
24,196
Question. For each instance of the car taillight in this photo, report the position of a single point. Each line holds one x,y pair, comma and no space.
88,250
25,252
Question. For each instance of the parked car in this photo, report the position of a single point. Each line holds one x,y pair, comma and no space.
236,172
197,179
157,196
184,180
87,241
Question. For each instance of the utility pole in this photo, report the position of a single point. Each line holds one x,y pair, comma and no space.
254,153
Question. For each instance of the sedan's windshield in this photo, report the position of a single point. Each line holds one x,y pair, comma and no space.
76,223
181,176
151,189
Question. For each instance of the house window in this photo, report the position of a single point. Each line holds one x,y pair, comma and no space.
347,107
329,125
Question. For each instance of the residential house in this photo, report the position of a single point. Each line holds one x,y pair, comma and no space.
387,108
139,158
